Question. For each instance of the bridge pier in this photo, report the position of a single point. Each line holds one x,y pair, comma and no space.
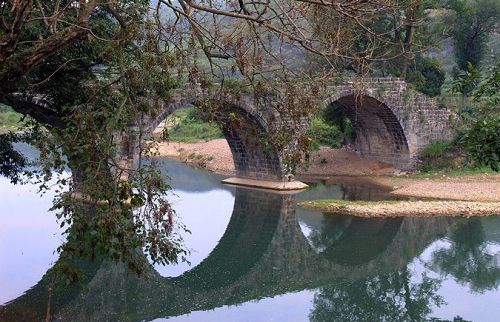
291,186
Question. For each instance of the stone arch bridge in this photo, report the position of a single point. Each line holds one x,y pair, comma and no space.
392,124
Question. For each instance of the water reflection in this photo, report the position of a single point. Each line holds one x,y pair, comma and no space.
336,236
385,297
335,268
29,234
470,258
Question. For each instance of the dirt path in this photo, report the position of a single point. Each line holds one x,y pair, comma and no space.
331,164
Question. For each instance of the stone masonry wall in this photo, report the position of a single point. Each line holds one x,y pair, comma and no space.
394,124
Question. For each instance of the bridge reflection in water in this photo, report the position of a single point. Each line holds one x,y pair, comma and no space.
359,268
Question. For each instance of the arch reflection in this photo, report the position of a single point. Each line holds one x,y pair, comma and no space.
263,253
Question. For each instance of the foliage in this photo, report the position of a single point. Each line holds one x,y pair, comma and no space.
481,139
438,155
101,72
191,128
482,142
86,72
470,24
335,116
9,120
426,75
437,148
11,161
235,86
323,134
489,88
466,81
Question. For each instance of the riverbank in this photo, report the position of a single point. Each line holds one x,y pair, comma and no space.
215,156
337,166
373,209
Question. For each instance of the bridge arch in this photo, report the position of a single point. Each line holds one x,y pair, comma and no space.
245,131
380,134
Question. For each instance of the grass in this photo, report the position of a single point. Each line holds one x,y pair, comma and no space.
8,119
187,127
344,203
456,172
437,149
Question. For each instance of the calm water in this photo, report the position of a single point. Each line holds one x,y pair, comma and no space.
256,257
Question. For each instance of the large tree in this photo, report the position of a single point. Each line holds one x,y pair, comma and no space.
85,70
81,70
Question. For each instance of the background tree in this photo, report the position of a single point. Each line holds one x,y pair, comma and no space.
471,22
481,140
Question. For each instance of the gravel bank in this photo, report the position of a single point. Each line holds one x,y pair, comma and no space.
406,208
465,191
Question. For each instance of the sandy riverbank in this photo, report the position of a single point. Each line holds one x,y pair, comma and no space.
336,166
216,156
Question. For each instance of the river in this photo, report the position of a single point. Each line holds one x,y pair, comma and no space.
255,256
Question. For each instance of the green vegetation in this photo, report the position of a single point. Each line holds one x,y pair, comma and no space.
331,128
344,203
9,120
427,76
236,86
480,138
324,134
451,158
476,144
483,142
189,127
95,70
470,26
439,155
454,172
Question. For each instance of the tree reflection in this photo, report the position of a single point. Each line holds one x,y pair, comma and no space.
389,297
467,260
338,237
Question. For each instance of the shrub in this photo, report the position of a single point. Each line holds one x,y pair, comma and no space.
438,155
336,116
427,76
483,142
323,134
191,128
